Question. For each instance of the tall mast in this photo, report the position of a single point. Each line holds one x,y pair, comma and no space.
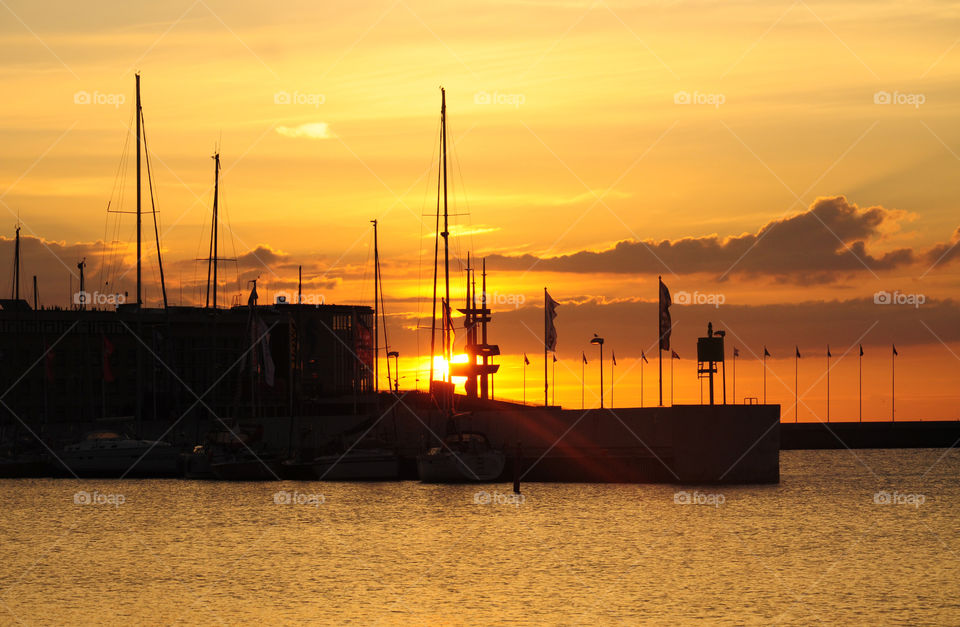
16,266
446,230
214,228
139,216
376,310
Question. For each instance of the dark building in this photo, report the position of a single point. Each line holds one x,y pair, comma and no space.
68,367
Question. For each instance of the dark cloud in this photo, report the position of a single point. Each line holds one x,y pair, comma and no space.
825,243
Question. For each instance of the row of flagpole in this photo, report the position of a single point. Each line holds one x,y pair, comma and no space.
665,327
736,353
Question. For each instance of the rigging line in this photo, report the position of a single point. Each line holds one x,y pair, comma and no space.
106,219
466,199
119,184
225,206
153,209
423,205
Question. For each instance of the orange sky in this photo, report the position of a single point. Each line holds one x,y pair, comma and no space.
699,136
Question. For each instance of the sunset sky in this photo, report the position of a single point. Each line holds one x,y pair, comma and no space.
780,162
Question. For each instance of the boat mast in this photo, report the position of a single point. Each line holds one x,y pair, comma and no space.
446,232
139,216
16,266
376,310
214,228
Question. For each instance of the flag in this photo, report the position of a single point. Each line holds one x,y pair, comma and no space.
614,356
895,353
554,358
673,355
584,355
643,357
766,353
736,351
828,351
665,322
526,362
107,352
798,352
549,329
861,350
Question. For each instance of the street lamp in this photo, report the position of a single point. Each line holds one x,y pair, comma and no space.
396,369
596,339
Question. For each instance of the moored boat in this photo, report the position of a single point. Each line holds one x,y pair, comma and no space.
109,453
373,464
462,457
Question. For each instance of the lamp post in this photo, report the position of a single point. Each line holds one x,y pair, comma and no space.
596,339
396,370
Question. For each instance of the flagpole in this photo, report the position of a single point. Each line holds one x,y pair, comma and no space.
583,374
734,375
546,314
893,388
828,383
554,386
613,362
860,384
764,374
660,363
796,389
641,380
524,379
671,379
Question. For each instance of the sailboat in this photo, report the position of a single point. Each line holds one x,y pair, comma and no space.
461,455
109,453
112,453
